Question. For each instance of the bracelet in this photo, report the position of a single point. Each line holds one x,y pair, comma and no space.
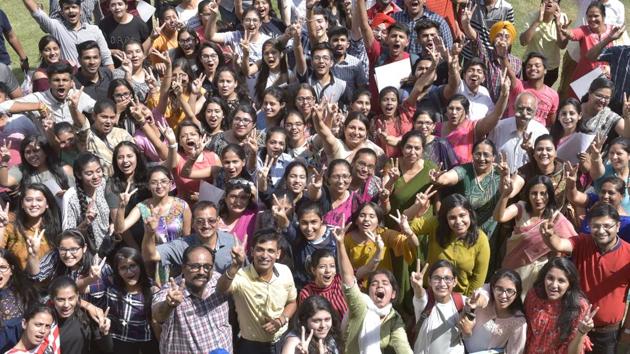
582,333
173,146
626,331
4,165
227,275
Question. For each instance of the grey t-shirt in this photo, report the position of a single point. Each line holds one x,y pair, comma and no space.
172,253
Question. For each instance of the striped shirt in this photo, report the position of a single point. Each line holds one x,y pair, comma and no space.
351,70
197,325
333,293
414,45
127,311
483,19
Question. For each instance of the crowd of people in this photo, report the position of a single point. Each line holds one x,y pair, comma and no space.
215,177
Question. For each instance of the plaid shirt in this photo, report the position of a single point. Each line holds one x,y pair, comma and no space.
127,311
494,68
197,325
414,46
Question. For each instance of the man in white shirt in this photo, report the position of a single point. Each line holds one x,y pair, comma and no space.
477,94
509,134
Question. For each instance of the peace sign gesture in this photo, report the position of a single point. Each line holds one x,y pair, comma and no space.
506,83
174,294
423,200
238,254
403,222
393,172
167,132
5,151
626,106
317,178
197,83
74,97
90,214
502,165
434,174
263,172
340,231
468,11
126,196
570,173
586,324
157,30
35,242
177,87
302,347
104,322
97,266
4,215
417,278
245,43
153,220
201,144
251,142
475,301
526,144
279,211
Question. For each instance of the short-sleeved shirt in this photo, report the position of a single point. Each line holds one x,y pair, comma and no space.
5,28
59,110
255,48
103,148
604,277
480,102
117,34
545,39
173,252
548,101
257,301
6,76
507,140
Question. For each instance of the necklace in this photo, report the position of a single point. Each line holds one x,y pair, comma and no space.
477,182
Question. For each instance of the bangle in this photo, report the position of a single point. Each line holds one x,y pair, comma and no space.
227,275
173,146
4,165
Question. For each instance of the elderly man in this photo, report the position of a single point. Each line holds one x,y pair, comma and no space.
512,134
194,315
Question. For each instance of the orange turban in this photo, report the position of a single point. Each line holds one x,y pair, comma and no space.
498,27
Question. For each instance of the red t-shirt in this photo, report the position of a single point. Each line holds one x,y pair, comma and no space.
548,101
604,278
333,293
374,52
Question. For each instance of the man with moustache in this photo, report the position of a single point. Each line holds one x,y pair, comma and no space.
603,262
204,224
92,76
414,11
264,294
512,133
193,314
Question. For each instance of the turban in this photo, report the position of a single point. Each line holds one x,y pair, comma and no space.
382,18
498,27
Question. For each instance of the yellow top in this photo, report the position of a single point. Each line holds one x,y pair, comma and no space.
15,242
361,254
471,261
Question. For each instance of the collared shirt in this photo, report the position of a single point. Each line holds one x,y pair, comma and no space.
480,102
127,311
103,148
507,140
197,325
172,253
335,90
352,71
414,46
69,38
494,68
88,8
257,301
97,90
483,19
59,110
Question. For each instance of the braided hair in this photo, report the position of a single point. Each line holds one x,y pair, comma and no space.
78,166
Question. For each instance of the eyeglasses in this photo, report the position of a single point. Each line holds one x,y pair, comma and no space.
424,122
250,20
128,269
366,166
122,95
209,56
448,280
4,268
601,97
321,58
244,121
164,182
72,251
606,227
305,99
336,178
186,40
195,267
509,292
202,221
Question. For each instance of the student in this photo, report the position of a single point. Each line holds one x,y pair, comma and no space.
91,75
319,326
37,324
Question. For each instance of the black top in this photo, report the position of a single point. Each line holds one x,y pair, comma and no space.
79,338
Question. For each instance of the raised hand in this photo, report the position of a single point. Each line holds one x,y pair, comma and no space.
506,185
502,165
302,347
586,324
423,199
167,132
162,57
197,84
150,79
506,83
238,254
541,12
4,215
468,11
201,144
393,171
626,106
595,149
104,323
279,211
475,301
546,229
126,64
174,294
251,142
340,231
152,222
5,151
34,243
90,214
97,266
617,32
245,42
126,196
526,144
157,30
177,87
263,172
417,277
434,174
317,178
73,98
403,222
570,172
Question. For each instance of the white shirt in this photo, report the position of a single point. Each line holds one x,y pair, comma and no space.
60,110
188,16
480,102
507,140
431,335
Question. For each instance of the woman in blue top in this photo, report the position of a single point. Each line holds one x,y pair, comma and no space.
617,165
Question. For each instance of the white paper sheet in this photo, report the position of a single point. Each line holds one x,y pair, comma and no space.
392,74
145,10
210,193
581,85
574,145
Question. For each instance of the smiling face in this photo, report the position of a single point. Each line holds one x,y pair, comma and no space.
159,184
92,175
339,178
362,104
51,53
474,77
129,271
458,220
60,85
296,179
226,83
535,69
232,164
34,203
135,53
396,41
545,153
294,125
504,292
618,157
424,124
367,220
36,329
381,291
364,166
609,194
205,222
556,284
525,109
324,272
70,252
538,197
272,106
237,200
251,21
127,160
594,19
320,323
322,62
71,13
355,133
262,6
304,101
34,155
311,226
264,256
569,117
65,139
214,116
170,19
118,8
442,281
604,231
90,61
321,25
6,271
483,158
276,144
65,301
389,104
104,121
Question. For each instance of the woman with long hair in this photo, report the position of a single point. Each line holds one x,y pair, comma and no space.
127,294
567,121
597,117
315,320
554,307
454,235
130,170
188,48
231,88
209,59
272,108
618,165
304,102
39,165
133,70
436,149
36,214
300,144
365,182
85,206
242,127
172,214
213,116
325,281
36,325
526,252
272,159
49,53
338,200
237,210
501,325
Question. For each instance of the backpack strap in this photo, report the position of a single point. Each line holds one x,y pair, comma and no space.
459,301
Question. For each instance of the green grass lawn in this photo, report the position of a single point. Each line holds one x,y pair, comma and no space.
29,32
